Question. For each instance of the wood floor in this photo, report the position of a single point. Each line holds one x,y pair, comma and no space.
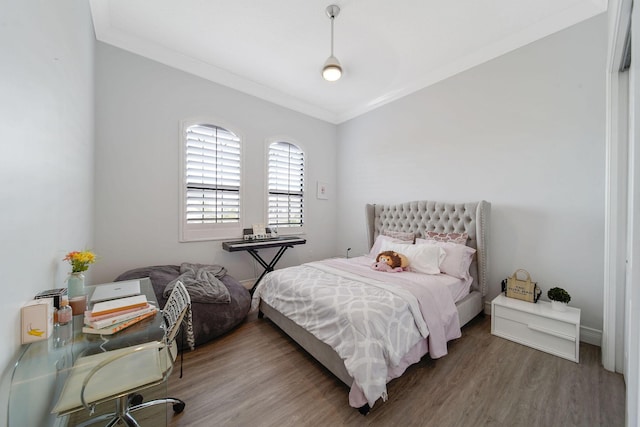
257,376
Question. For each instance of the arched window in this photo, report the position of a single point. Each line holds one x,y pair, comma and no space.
212,173
286,186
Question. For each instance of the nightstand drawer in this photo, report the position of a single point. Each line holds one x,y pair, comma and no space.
531,335
537,326
537,322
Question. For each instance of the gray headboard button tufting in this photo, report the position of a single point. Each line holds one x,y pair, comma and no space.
421,216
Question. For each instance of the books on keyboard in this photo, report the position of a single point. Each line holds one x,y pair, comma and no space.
105,320
118,305
113,328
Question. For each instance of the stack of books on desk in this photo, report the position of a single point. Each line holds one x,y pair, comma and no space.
109,317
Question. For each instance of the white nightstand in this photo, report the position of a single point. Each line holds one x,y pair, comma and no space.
537,326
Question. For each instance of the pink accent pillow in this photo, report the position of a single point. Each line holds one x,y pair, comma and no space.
458,258
460,238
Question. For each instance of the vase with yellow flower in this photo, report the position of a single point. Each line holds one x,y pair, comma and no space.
79,261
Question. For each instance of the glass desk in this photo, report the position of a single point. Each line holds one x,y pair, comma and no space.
43,366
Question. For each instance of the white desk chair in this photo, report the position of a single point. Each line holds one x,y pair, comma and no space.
117,374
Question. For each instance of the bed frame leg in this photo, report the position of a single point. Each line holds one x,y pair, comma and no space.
364,410
260,314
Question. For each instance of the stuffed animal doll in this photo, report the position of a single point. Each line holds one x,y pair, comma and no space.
383,266
393,259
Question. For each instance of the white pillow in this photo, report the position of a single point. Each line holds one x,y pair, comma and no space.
458,259
424,259
375,249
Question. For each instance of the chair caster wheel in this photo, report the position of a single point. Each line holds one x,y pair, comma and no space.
178,407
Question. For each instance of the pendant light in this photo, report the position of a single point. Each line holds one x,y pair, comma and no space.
332,69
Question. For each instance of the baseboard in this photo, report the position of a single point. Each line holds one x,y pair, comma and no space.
587,335
487,308
591,336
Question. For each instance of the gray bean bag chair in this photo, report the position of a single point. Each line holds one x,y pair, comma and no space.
209,320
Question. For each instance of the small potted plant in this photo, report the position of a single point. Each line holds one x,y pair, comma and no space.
559,298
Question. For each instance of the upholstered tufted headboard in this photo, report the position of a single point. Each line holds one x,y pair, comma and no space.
420,216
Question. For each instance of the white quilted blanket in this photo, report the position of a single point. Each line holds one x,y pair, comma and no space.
371,319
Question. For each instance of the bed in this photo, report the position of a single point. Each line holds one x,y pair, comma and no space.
415,301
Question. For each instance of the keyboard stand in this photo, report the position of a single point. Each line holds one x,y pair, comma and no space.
252,246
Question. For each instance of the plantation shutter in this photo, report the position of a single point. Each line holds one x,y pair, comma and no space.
212,175
286,185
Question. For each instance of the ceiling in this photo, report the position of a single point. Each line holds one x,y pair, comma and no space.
275,50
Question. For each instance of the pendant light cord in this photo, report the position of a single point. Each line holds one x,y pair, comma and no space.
332,18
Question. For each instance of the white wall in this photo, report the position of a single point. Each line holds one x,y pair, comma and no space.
46,151
632,294
139,107
525,132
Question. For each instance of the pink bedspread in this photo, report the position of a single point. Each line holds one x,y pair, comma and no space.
436,305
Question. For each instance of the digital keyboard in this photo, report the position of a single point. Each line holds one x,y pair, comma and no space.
272,242
252,247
